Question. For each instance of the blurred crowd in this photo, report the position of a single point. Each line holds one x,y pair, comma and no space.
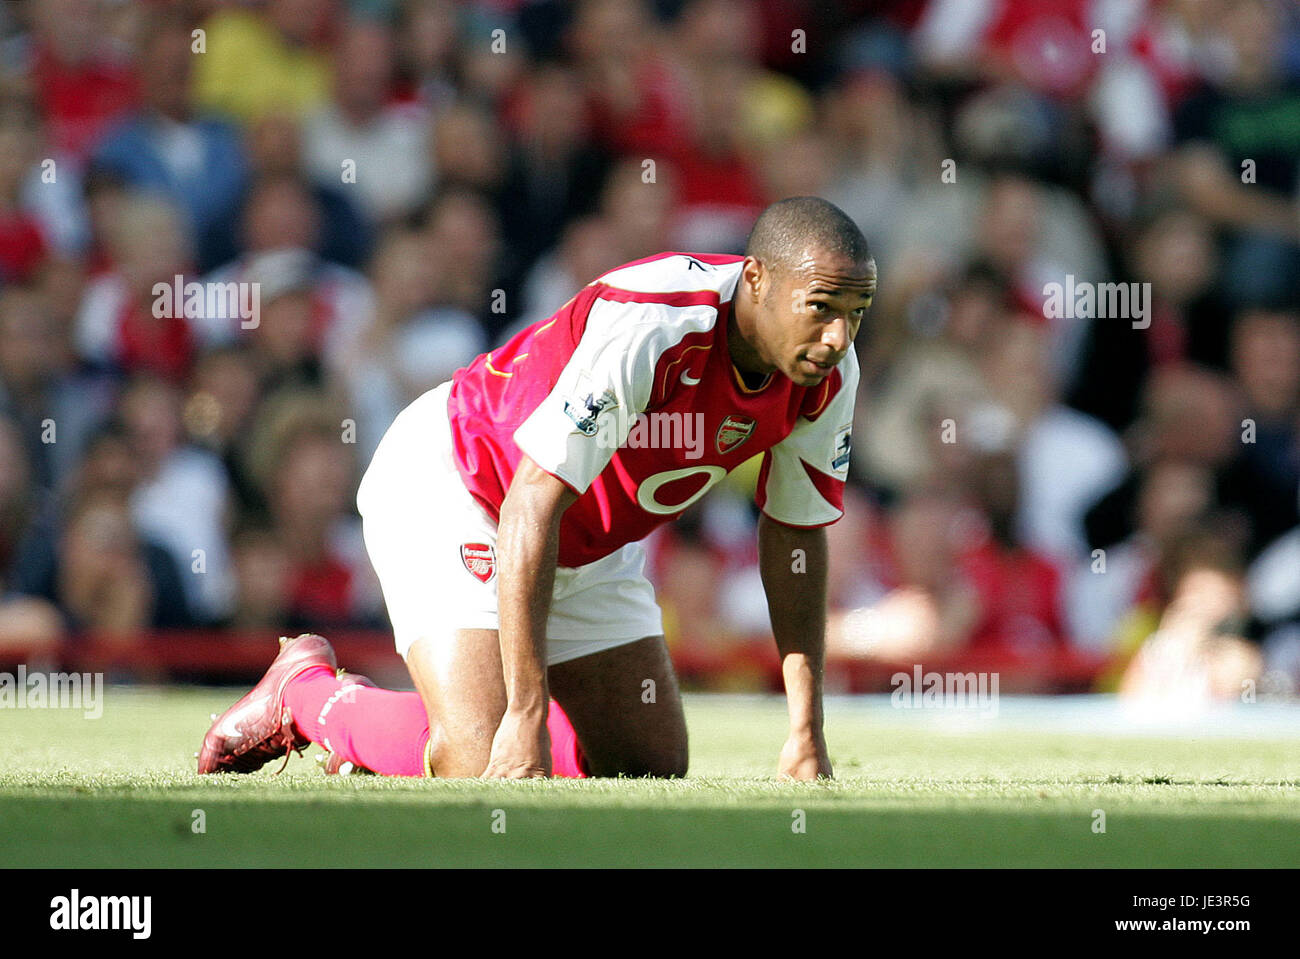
408,181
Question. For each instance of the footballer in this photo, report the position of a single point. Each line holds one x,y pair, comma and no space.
503,513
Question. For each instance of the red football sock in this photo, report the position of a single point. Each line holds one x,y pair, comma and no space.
379,729
567,759
387,731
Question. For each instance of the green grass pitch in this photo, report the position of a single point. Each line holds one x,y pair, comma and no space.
120,791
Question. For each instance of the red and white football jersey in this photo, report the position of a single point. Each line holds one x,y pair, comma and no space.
628,396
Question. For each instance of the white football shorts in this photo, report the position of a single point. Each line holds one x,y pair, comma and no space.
434,549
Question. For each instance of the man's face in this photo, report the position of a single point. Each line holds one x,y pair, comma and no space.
809,312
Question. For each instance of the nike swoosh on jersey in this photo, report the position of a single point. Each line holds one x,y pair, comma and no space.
686,378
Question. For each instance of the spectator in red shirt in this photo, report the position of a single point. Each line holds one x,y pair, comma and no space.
639,103
82,85
23,249
306,470
117,325
1019,589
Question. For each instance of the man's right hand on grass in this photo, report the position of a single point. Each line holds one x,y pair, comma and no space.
521,748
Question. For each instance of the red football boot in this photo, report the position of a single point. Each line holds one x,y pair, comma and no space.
259,728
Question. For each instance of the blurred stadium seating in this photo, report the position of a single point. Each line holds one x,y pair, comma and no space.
1078,501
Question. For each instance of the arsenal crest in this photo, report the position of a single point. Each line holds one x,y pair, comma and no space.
733,431
480,559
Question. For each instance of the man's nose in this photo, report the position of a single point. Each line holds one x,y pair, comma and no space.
836,335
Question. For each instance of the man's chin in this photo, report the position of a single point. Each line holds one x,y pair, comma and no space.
808,375
804,380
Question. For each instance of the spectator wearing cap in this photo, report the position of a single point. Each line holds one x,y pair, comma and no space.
334,304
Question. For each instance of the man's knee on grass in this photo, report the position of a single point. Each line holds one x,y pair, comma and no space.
462,758
666,760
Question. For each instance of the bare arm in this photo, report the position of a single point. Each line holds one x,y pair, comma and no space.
1216,192
795,583
528,540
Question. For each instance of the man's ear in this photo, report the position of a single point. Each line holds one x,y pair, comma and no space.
756,276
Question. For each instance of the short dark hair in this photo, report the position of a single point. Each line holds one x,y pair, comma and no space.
791,226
